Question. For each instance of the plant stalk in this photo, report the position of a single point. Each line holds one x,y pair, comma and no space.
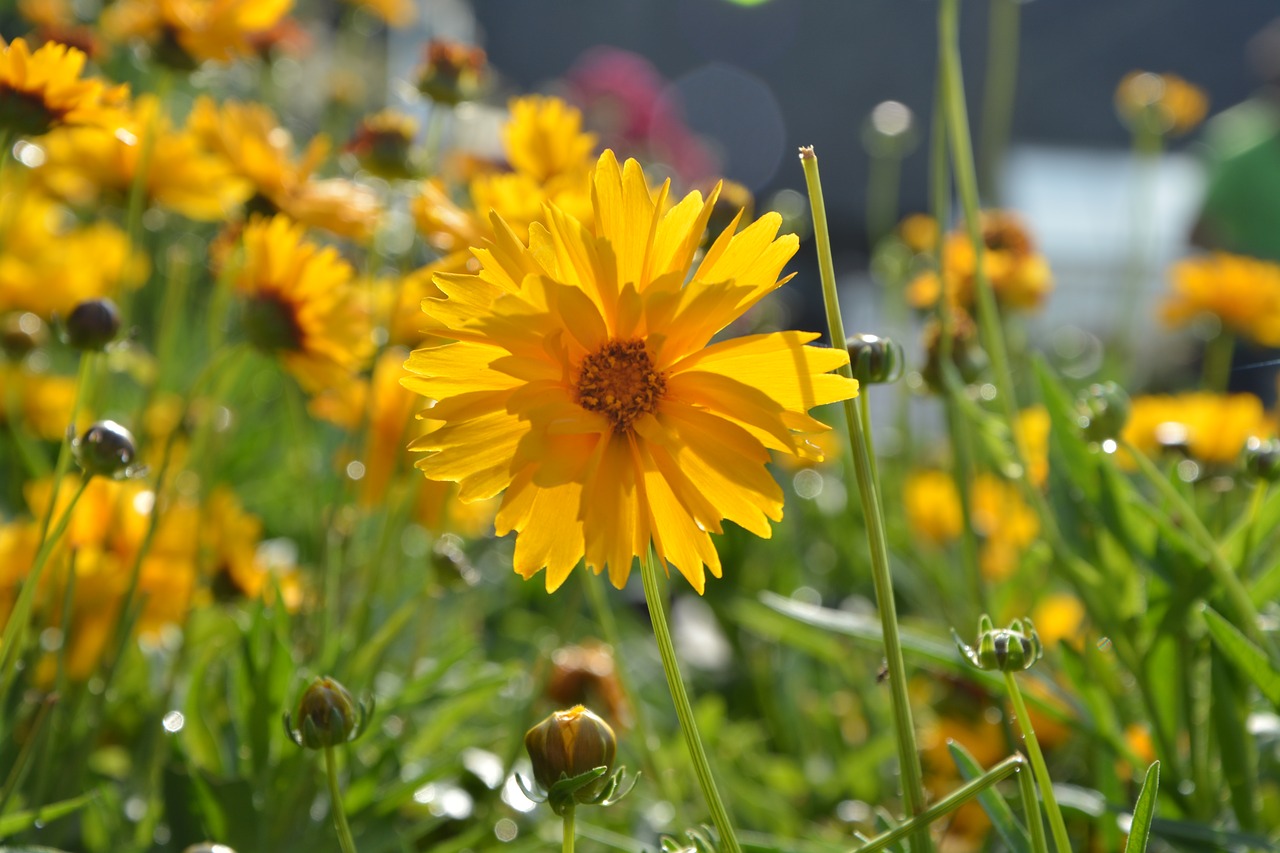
1060,838
864,466
688,725
567,844
345,840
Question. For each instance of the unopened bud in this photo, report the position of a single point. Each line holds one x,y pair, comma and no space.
1103,410
1006,649
453,72
106,449
93,324
570,743
875,360
327,716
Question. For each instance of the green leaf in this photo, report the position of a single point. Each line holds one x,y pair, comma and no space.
1247,658
19,821
1144,811
1013,833
1236,751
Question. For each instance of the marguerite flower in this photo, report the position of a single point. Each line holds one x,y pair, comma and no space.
44,89
583,382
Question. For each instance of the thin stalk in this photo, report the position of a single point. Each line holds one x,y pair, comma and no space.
1251,530
1031,808
864,466
1056,825
684,711
15,631
567,844
21,764
84,379
884,176
989,326
345,840
1147,145
957,798
999,90
1246,615
1215,373
612,636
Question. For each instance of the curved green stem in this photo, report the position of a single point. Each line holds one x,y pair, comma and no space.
1031,806
864,467
1216,371
345,840
84,379
567,844
688,726
1056,825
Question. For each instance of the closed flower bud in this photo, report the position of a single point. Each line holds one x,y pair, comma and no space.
1103,410
106,449
1006,649
20,333
327,716
570,743
93,324
875,360
1262,459
453,72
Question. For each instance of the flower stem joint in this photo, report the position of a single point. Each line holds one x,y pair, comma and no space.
1006,649
327,716
875,360
573,754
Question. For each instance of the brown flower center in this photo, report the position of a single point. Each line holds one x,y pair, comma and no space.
271,323
619,381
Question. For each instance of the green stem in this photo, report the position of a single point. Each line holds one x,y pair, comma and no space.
864,466
345,840
15,630
1147,146
882,207
1251,530
684,711
84,379
1000,89
989,326
1060,838
957,798
1031,808
1246,615
1216,371
567,846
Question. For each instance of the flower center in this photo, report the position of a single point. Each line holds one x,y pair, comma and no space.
619,381
271,323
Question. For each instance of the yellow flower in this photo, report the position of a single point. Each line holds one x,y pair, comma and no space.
1019,275
301,305
1033,431
551,158
41,90
82,165
49,262
41,401
453,72
1001,519
187,32
232,537
261,151
1242,292
582,382
396,13
1160,103
1060,618
383,141
932,506
1212,427
919,232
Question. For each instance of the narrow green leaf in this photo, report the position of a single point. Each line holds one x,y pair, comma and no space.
1247,658
19,821
1237,753
1013,833
1144,811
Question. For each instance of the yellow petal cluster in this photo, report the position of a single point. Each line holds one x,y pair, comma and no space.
1242,292
44,89
204,30
583,385
1019,274
1212,428
1160,103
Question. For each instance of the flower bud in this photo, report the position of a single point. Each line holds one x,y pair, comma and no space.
383,144
20,333
93,324
106,449
453,72
1006,649
1103,411
875,360
967,356
1262,459
570,743
327,716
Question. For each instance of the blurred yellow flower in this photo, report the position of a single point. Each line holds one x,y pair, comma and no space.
396,13
932,506
185,33
49,262
89,166
452,73
551,159
1242,292
1019,274
919,232
231,539
42,402
1160,103
302,306
42,90
1059,618
1211,427
584,384
382,142
1033,432
1001,519
261,151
